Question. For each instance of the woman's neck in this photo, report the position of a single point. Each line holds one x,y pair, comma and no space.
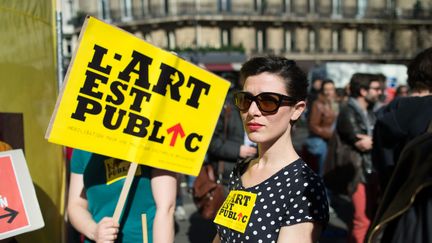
278,153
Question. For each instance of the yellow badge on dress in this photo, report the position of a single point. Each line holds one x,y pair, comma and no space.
116,169
236,210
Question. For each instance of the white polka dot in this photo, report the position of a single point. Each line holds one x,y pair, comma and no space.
259,193
269,236
304,198
289,184
305,184
274,202
250,224
301,211
291,199
272,222
296,180
282,197
268,215
298,192
271,195
259,219
280,218
278,184
295,206
262,200
247,237
277,210
268,188
255,232
265,207
277,177
298,220
292,217
286,173
260,241
256,212
263,227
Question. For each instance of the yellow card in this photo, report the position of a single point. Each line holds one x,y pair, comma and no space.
236,210
125,98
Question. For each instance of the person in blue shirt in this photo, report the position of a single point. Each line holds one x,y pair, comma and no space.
95,185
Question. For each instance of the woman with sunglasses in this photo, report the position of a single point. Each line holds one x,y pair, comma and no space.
290,204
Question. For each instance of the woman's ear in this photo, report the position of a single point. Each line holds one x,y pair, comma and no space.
298,110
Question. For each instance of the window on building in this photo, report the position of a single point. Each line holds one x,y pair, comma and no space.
260,37
104,10
224,5
126,10
145,8
311,6
225,37
336,40
361,8
260,6
361,41
166,7
289,40
312,38
287,6
336,8
171,40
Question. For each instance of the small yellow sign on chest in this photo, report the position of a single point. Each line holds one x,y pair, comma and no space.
236,210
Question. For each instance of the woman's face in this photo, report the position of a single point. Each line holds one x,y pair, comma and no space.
329,91
264,127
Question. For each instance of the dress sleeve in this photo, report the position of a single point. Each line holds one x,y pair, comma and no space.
79,161
308,202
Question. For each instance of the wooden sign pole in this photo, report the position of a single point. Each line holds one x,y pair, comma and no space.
125,190
144,228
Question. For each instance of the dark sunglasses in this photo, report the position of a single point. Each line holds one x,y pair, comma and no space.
266,101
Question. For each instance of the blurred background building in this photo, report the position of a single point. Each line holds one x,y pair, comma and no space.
221,34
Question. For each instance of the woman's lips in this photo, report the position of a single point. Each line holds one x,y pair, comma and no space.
253,126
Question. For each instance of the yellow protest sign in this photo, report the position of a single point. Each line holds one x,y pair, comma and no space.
236,210
125,98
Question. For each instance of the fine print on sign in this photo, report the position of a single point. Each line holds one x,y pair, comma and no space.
125,98
19,208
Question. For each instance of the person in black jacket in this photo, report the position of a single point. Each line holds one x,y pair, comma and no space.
400,122
354,127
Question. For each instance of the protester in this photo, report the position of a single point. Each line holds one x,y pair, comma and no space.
322,122
291,203
354,127
402,91
403,119
404,215
95,185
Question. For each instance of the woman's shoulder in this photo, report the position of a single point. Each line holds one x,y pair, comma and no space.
300,173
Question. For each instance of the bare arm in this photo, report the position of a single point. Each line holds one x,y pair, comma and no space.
164,189
216,239
80,217
303,232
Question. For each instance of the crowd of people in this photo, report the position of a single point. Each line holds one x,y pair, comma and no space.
354,144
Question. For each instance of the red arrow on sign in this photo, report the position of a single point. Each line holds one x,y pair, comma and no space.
176,130
12,214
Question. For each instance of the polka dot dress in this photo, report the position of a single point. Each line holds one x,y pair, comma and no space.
293,195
